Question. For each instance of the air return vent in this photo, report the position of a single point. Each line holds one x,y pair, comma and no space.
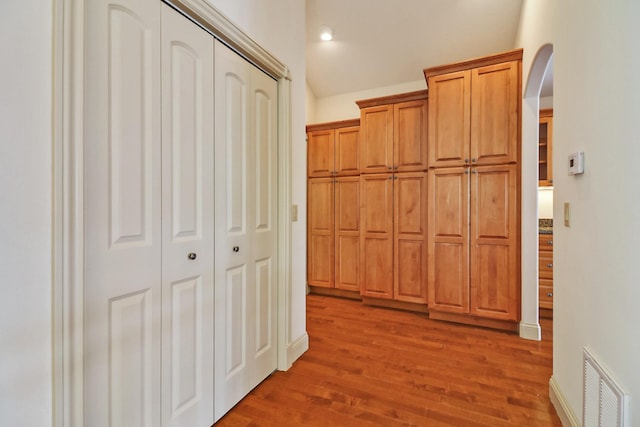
605,405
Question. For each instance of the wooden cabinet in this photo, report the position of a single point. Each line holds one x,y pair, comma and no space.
334,233
474,228
545,148
393,238
394,133
545,271
333,149
474,111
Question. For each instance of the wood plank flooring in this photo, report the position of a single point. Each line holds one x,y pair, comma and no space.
369,366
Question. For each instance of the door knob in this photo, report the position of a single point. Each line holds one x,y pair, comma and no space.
192,256
549,265
236,249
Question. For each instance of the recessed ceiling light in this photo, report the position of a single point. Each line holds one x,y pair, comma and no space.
326,34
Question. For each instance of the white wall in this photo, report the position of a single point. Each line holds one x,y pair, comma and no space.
311,105
25,214
344,107
596,273
279,27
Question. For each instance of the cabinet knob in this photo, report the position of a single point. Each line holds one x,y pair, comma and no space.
192,256
549,294
550,265
466,160
549,242
473,160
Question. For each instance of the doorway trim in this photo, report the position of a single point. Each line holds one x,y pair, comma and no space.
530,323
67,189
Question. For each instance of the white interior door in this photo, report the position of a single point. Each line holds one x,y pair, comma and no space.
246,228
122,213
187,222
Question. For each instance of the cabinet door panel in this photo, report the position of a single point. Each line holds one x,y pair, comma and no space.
449,119
376,256
347,232
410,136
320,232
320,157
494,113
410,238
495,284
347,151
376,149
448,285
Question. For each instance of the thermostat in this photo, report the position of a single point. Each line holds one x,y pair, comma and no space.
576,163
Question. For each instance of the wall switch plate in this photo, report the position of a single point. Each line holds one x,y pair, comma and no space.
294,213
567,214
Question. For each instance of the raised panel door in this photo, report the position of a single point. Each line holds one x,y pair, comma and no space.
320,153
187,222
320,231
376,248
347,151
376,129
449,119
495,284
410,237
410,136
495,113
347,233
448,267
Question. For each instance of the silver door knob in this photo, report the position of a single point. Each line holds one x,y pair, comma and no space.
549,294
236,249
549,265
192,256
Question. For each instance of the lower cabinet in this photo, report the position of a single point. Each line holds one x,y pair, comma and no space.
474,242
334,233
393,236
545,271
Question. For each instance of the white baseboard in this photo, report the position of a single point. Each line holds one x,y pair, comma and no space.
530,331
565,413
297,349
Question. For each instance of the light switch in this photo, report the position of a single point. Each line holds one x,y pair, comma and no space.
567,214
294,213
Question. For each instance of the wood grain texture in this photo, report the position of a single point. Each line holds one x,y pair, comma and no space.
370,366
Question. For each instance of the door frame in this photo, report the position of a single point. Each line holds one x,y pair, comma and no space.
67,189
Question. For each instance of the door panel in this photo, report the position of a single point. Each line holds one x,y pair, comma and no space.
410,136
320,226
347,151
448,271
122,212
376,128
320,159
246,231
187,222
347,233
410,237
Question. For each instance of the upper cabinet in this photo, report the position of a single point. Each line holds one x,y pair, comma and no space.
545,145
474,111
333,149
394,133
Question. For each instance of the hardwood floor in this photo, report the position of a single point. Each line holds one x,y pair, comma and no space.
370,366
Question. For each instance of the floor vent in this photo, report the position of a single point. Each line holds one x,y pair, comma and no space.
605,405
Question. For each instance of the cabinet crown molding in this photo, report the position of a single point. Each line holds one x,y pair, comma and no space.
393,99
333,125
512,55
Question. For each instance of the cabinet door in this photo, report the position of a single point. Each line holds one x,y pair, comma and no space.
410,136
320,253
494,113
449,119
448,270
410,237
376,248
347,233
545,151
376,149
320,153
495,273
347,151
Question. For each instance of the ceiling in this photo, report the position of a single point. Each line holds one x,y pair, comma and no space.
380,43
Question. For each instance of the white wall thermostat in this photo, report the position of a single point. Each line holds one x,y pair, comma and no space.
576,163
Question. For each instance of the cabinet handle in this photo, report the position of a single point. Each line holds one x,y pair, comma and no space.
395,168
550,242
550,265
466,172
466,160
473,160
549,294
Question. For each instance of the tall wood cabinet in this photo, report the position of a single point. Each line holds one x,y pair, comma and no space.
474,230
545,148
333,209
393,159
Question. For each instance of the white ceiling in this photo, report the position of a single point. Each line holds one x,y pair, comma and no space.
385,42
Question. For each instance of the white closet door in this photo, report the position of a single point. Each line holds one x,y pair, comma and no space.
122,194
246,230
187,222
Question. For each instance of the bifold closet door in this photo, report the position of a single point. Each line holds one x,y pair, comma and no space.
122,214
187,222
246,227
